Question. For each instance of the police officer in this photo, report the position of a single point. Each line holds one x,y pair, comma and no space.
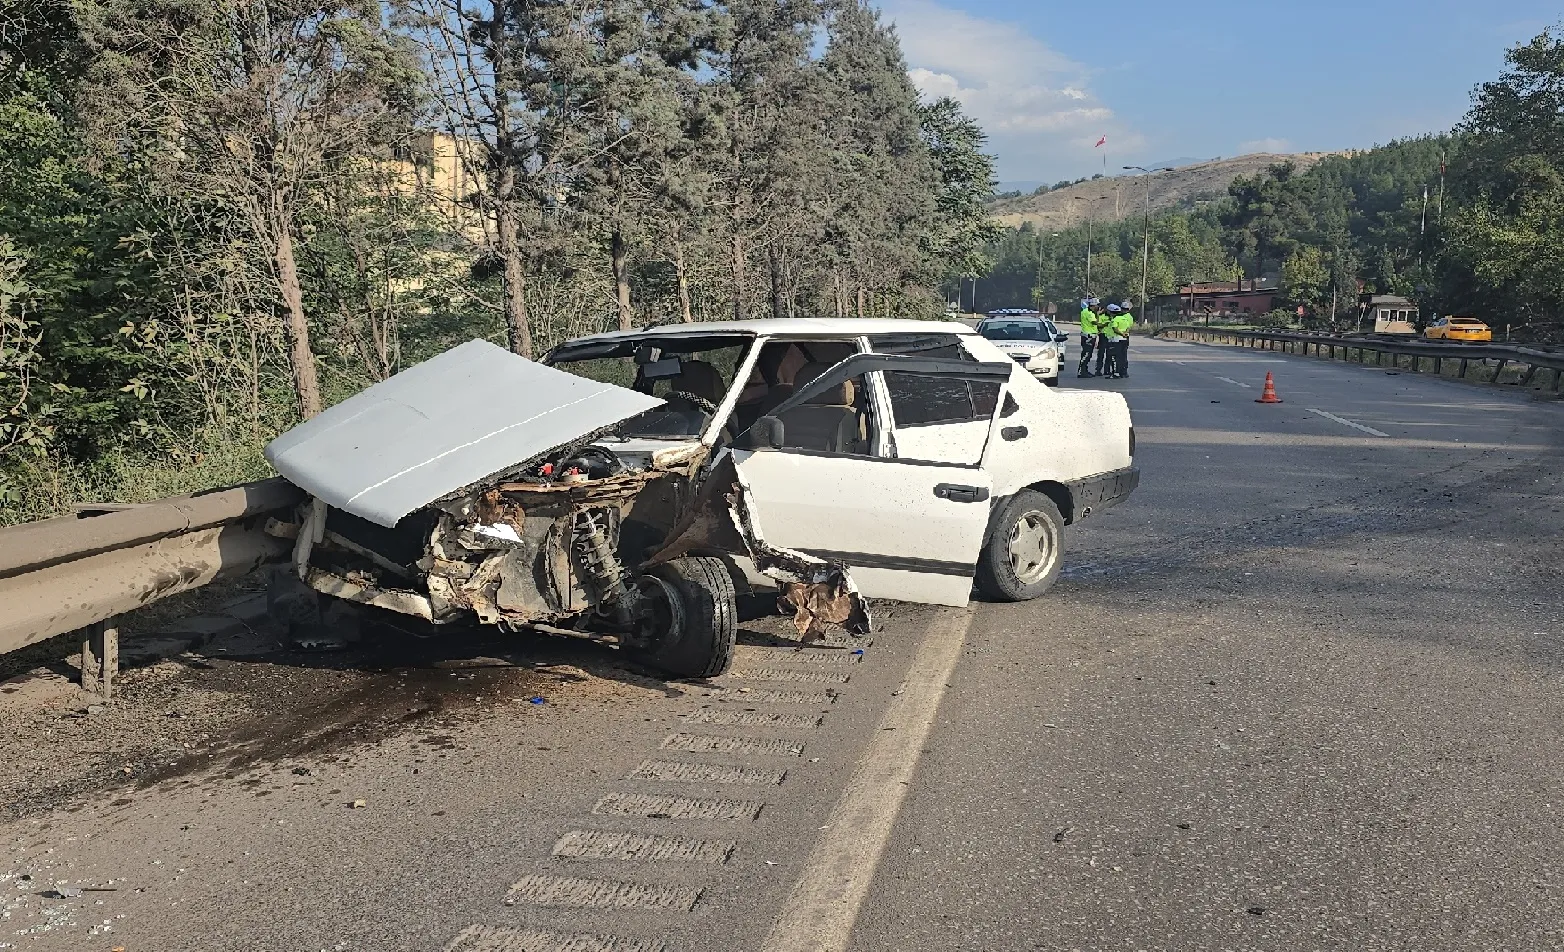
1088,336
1125,322
1109,345
1101,336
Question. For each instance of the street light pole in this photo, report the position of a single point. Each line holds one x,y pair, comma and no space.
1088,289
1145,233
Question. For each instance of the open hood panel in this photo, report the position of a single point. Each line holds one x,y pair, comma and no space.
443,424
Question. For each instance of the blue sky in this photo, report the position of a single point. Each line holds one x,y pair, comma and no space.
1195,80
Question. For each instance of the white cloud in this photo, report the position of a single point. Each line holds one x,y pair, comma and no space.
1035,103
1265,145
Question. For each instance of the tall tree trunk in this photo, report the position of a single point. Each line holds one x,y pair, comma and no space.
684,283
518,330
738,273
860,300
775,258
301,358
619,253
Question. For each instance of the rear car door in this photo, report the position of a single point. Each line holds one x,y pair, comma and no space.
908,527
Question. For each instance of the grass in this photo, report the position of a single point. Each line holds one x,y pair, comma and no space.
44,486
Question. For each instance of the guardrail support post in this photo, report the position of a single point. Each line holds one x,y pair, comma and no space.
1531,371
1499,371
1461,371
100,658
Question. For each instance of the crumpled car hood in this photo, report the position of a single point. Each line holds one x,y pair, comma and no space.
438,426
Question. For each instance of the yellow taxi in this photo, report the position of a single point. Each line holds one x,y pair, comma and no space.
1458,328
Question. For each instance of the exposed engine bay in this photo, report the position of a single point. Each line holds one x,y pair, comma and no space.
569,541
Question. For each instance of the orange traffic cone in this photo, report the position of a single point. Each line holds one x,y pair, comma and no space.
1268,395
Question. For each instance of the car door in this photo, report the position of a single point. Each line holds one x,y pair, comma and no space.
907,527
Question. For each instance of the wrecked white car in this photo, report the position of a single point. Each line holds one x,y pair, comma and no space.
627,487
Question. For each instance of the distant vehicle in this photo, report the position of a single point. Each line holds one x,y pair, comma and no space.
1033,342
1459,328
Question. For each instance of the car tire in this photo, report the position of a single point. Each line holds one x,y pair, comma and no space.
1051,381
1005,570
698,639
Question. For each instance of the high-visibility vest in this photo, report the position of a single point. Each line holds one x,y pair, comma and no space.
1122,324
1088,321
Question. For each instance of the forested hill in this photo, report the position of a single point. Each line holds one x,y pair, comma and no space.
1117,196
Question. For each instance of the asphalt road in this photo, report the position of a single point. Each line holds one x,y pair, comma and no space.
1301,692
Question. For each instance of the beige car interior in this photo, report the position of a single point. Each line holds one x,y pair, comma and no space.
836,421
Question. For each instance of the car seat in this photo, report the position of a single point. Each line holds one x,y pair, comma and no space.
829,421
696,383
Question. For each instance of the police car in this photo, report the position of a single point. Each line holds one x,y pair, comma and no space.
1030,340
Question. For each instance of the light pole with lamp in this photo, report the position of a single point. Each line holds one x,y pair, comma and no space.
1145,242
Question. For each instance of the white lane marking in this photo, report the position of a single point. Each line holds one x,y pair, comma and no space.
1356,426
1233,382
823,906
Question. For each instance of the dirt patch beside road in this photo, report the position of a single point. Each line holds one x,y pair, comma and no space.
244,701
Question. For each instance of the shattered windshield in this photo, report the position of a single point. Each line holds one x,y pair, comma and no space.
693,375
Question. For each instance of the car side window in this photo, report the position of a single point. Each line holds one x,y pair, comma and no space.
917,400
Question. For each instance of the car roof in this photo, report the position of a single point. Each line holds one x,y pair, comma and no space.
789,326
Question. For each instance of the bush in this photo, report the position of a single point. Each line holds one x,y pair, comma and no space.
1279,319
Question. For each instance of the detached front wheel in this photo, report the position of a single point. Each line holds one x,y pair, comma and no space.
696,619
1024,550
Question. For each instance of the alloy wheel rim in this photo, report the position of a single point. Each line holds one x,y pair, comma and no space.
1032,547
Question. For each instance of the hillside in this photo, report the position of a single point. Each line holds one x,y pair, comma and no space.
1058,209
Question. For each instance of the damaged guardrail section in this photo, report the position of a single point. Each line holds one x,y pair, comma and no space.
1419,353
64,574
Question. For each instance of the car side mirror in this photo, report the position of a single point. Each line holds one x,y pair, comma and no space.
1061,338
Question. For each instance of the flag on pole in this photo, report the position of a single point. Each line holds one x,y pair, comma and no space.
1101,142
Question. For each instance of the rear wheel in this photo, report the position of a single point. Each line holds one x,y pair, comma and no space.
1024,549
698,618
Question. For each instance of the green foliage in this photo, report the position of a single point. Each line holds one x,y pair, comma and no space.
1503,254
161,163
966,176
1305,276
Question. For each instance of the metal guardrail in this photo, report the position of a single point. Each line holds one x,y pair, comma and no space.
65,574
1418,350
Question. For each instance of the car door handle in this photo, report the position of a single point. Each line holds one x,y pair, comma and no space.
957,493
1013,433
